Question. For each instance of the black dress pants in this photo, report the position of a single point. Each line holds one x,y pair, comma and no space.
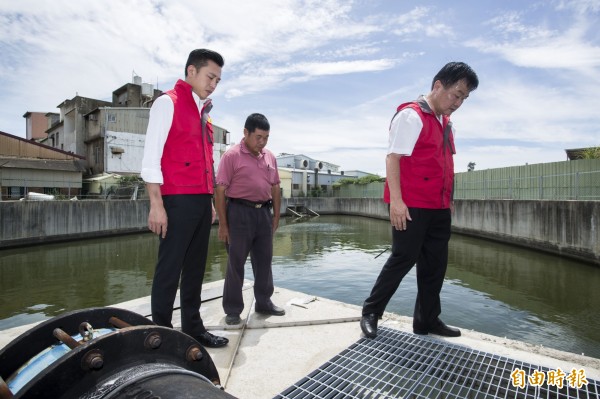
424,242
182,257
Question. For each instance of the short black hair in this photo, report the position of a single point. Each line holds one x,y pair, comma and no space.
452,72
200,57
256,121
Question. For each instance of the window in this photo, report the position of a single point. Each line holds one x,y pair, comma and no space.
16,192
112,118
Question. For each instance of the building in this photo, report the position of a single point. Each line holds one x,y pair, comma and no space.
68,133
304,176
136,94
27,166
36,124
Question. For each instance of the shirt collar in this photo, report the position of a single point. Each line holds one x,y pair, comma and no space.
197,99
424,104
247,151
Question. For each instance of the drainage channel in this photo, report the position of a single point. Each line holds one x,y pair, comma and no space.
398,364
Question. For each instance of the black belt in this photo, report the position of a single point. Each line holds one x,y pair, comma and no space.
252,204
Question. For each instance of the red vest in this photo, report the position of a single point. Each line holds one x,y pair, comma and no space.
427,175
187,160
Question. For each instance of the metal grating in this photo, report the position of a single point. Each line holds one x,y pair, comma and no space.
397,364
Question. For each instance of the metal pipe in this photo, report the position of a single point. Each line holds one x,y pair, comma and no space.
65,338
115,321
5,392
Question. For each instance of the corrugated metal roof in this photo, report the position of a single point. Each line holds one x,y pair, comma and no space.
13,146
46,164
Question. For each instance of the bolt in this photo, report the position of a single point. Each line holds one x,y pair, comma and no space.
93,360
153,341
96,362
193,353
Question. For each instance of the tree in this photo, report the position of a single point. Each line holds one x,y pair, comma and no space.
590,153
360,181
471,167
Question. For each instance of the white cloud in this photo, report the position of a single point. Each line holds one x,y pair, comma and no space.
580,6
275,76
537,46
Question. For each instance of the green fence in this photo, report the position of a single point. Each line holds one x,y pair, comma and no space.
568,180
370,190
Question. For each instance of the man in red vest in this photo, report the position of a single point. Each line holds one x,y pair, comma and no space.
420,175
178,170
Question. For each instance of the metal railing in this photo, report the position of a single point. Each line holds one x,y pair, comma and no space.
17,189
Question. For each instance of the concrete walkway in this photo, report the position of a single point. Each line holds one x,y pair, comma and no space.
267,354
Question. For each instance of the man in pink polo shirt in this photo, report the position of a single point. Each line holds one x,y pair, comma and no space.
247,190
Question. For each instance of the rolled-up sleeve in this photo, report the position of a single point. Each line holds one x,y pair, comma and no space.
159,124
404,132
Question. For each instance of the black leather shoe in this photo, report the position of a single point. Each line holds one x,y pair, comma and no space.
211,341
368,325
438,328
274,311
232,319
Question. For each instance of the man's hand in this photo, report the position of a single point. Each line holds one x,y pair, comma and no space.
223,232
399,215
157,220
157,217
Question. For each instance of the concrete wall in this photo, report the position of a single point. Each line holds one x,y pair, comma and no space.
369,207
566,228
36,222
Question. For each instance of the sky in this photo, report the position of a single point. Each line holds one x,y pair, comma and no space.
328,74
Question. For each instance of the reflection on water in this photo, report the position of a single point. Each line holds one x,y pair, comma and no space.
492,288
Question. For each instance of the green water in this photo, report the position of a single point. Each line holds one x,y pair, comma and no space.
493,288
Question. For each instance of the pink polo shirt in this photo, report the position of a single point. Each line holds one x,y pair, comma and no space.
248,176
